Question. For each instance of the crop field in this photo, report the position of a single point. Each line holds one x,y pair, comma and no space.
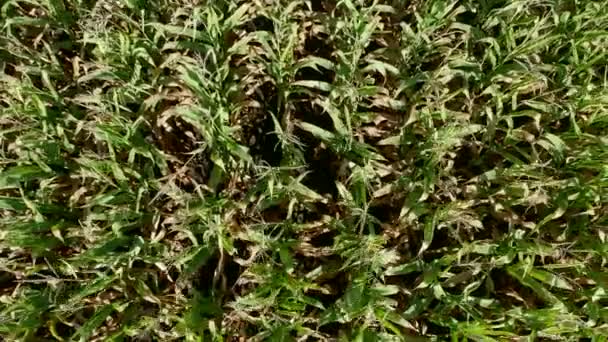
303,170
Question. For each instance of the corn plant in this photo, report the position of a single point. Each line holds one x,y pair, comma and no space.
345,170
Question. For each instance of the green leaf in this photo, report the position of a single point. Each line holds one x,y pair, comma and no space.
316,85
195,258
11,177
86,330
557,213
429,232
316,131
380,67
520,273
555,146
12,203
98,285
550,279
237,18
414,266
314,62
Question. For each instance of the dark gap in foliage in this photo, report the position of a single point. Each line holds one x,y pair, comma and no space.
7,281
493,228
259,136
458,102
504,284
562,125
323,163
259,127
391,153
133,108
420,163
373,45
407,281
492,157
323,166
324,239
467,163
323,5
8,66
436,328
468,17
486,289
528,213
87,52
385,223
318,45
66,45
431,63
316,211
27,35
441,239
164,327
275,214
315,75
385,212
204,281
521,121
335,328
240,249
61,329
259,23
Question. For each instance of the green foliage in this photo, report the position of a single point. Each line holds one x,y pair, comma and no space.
303,170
